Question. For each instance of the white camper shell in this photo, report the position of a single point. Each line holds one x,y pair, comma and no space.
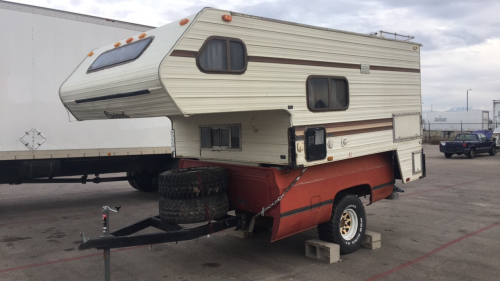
252,90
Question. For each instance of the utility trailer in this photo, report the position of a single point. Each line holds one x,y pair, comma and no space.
39,140
278,121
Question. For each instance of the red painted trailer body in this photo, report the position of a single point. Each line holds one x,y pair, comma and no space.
310,200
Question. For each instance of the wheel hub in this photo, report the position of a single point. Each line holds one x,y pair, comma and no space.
348,224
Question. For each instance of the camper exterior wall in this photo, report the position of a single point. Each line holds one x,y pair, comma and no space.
264,137
138,75
281,85
41,47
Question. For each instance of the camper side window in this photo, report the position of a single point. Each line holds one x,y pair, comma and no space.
222,55
327,93
220,137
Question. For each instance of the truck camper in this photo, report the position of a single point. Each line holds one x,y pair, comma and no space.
288,121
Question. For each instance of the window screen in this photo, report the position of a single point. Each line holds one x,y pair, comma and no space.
222,55
120,55
327,93
220,137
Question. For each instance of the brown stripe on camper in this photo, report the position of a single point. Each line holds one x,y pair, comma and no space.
192,54
351,128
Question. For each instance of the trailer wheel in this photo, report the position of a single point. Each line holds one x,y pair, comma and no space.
448,155
493,151
347,224
471,154
147,182
183,183
192,210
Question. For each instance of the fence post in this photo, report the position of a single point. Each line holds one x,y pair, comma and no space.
460,126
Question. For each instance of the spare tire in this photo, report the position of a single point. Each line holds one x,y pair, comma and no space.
192,210
183,183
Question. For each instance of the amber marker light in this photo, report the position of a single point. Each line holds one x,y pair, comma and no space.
330,158
109,153
142,35
227,18
90,54
183,22
129,40
117,44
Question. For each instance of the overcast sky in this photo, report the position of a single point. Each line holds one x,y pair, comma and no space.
461,39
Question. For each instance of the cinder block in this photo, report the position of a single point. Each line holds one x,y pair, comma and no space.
372,240
371,236
373,245
243,234
393,196
322,251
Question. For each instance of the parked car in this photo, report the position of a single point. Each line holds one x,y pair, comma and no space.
468,144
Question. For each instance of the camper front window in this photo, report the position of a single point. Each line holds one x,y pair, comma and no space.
120,55
327,93
220,137
222,55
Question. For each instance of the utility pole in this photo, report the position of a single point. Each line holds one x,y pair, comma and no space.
468,98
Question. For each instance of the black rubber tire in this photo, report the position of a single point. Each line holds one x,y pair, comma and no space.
192,210
147,183
493,151
183,183
471,153
448,155
330,230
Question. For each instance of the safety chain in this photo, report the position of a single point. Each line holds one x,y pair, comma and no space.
264,210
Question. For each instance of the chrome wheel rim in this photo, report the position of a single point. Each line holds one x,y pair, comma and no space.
348,224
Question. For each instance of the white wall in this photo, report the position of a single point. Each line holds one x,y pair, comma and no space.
37,53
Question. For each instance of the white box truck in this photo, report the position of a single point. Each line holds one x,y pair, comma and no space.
39,137
465,121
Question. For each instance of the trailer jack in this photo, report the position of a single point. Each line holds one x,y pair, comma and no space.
170,233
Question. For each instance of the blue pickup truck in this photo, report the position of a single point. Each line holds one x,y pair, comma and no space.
468,144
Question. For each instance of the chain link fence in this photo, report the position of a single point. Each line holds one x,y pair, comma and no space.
436,132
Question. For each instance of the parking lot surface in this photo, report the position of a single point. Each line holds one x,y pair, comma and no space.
444,227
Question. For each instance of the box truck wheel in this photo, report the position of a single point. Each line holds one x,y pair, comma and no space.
183,183
347,224
192,210
147,181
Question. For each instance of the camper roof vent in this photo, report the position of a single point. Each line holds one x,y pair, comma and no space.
390,35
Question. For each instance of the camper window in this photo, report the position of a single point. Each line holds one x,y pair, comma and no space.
120,55
220,137
327,93
222,55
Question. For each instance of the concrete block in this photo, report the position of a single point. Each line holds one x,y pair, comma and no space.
372,240
373,245
322,251
393,196
371,236
243,234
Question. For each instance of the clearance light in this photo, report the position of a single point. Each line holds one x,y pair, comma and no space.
330,158
407,179
227,18
142,35
183,22
129,40
90,54
109,153
117,44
